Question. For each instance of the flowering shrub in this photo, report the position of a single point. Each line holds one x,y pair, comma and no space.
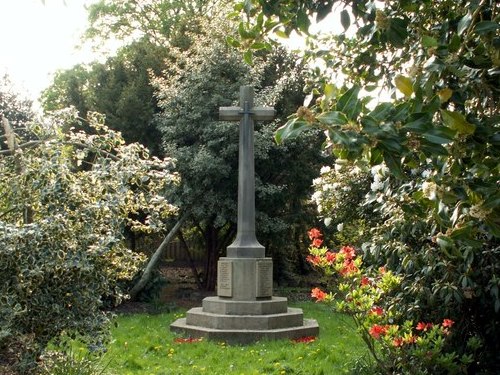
397,345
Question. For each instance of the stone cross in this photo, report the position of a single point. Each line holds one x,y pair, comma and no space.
246,245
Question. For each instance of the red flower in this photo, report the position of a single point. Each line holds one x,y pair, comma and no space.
398,341
382,270
317,242
314,233
330,257
349,267
318,294
376,310
314,260
365,281
305,339
348,252
377,330
189,340
421,326
447,323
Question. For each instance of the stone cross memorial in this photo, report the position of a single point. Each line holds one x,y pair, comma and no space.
245,309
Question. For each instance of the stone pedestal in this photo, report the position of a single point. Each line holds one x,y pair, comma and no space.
244,309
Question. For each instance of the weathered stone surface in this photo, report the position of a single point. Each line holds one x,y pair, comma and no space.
217,305
246,336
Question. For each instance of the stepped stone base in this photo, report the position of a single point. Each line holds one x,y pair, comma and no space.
243,322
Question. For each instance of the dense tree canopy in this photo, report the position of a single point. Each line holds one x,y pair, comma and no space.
208,76
118,88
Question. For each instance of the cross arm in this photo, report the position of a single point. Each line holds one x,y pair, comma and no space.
230,113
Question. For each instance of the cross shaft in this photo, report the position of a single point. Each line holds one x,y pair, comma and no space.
246,245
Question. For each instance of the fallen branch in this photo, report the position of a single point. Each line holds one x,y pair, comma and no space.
155,258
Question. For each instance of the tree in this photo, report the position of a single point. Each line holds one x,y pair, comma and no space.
204,78
59,267
156,21
437,138
118,88
15,108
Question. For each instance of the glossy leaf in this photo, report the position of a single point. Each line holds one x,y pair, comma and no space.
349,103
484,27
345,19
457,121
290,130
404,85
464,23
333,118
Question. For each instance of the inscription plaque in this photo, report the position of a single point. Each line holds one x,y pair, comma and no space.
224,279
264,278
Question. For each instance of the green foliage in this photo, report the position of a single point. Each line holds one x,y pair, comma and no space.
15,108
157,22
70,363
66,199
118,88
438,137
340,198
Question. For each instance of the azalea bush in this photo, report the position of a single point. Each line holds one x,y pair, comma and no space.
65,201
397,345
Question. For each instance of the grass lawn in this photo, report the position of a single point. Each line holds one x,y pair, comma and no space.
143,344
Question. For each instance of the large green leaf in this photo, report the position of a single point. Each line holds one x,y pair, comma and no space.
440,135
464,23
419,122
484,27
457,121
382,111
333,118
345,20
404,84
290,130
397,32
349,103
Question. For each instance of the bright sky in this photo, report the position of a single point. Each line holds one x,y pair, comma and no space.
37,39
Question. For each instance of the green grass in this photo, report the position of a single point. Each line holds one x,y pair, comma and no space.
143,344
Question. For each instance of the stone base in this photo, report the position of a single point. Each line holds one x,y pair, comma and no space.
243,322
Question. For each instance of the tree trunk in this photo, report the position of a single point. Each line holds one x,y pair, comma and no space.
212,252
155,258
191,261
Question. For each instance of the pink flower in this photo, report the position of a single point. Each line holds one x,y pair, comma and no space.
377,330
398,341
314,233
305,339
421,326
348,252
316,242
447,323
365,281
330,257
349,267
376,310
318,294
314,260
